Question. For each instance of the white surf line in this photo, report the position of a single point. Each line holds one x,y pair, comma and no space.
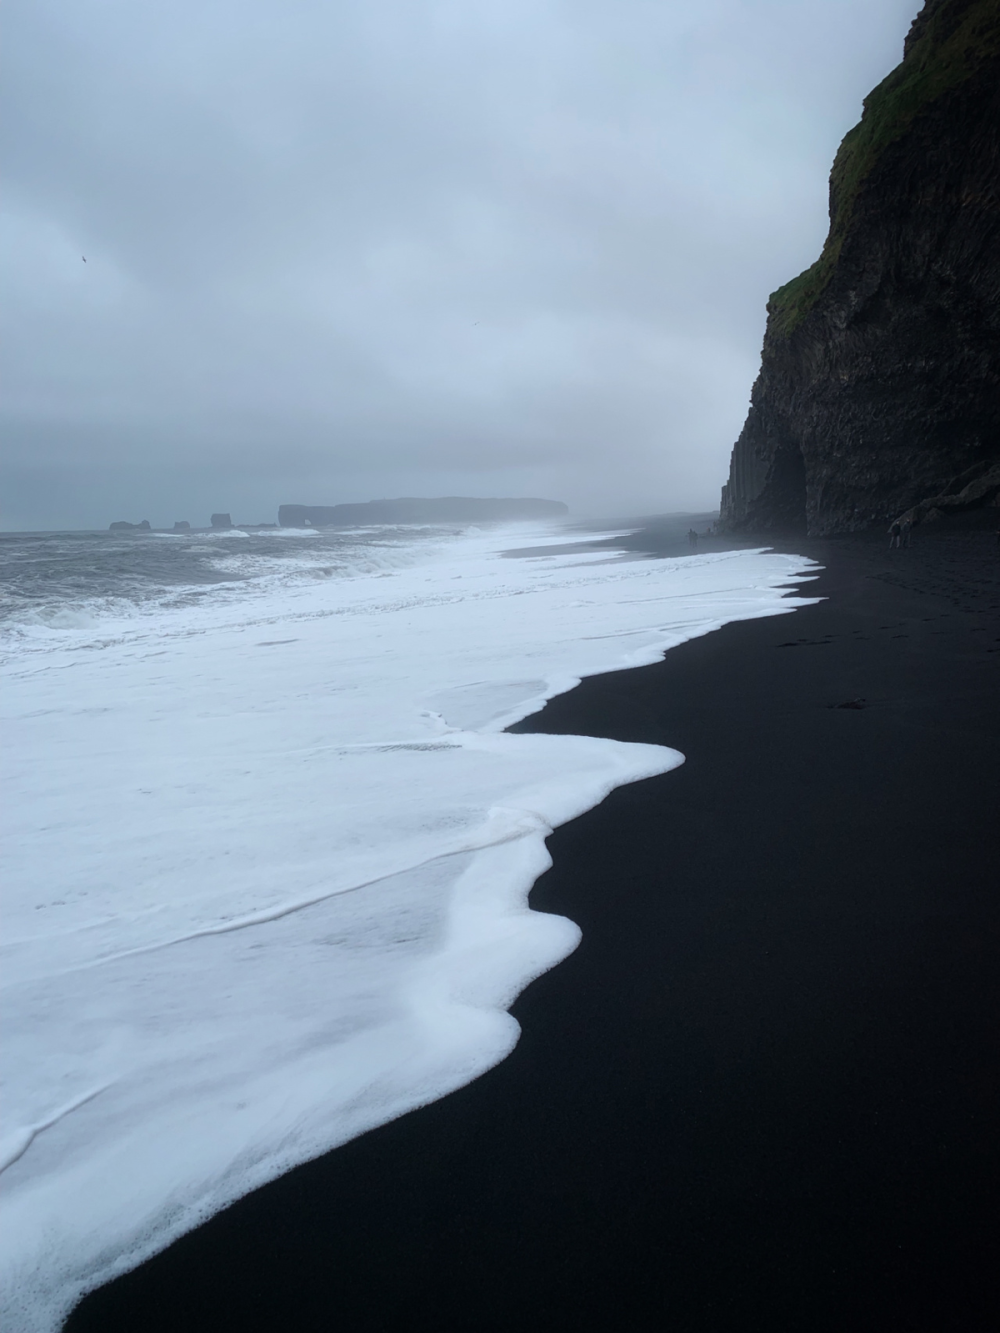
16,1145
530,824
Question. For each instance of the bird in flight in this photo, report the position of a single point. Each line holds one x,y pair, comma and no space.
84,258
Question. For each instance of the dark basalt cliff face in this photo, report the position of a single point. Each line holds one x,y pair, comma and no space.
879,386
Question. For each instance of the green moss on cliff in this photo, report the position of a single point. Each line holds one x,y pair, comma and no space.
951,40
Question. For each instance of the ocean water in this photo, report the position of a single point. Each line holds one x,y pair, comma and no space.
268,846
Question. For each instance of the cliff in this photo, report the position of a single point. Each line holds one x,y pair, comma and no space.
449,509
879,385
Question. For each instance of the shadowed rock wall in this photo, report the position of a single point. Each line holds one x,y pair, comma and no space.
880,373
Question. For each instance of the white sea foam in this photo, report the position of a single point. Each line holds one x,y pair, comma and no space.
268,860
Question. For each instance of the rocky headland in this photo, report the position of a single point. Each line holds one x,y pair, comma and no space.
447,509
879,388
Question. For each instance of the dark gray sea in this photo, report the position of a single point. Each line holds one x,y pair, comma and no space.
54,578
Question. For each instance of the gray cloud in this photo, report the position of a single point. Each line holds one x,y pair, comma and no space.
342,250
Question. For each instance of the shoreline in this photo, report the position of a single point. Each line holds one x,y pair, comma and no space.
762,1093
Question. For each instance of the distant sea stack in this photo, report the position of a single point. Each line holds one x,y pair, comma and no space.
122,526
449,509
879,387
221,521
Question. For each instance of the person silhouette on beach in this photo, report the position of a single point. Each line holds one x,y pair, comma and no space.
692,537
905,529
895,533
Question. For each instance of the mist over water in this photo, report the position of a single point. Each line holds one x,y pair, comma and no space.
382,247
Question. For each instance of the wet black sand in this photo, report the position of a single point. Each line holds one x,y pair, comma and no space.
765,1092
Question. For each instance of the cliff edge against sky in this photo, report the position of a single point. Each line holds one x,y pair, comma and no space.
879,385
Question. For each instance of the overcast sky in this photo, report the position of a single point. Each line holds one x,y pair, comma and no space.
344,249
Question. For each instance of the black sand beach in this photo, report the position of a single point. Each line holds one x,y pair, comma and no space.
765,1091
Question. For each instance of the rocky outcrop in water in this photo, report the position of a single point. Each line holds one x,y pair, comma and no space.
879,386
221,521
122,526
449,509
